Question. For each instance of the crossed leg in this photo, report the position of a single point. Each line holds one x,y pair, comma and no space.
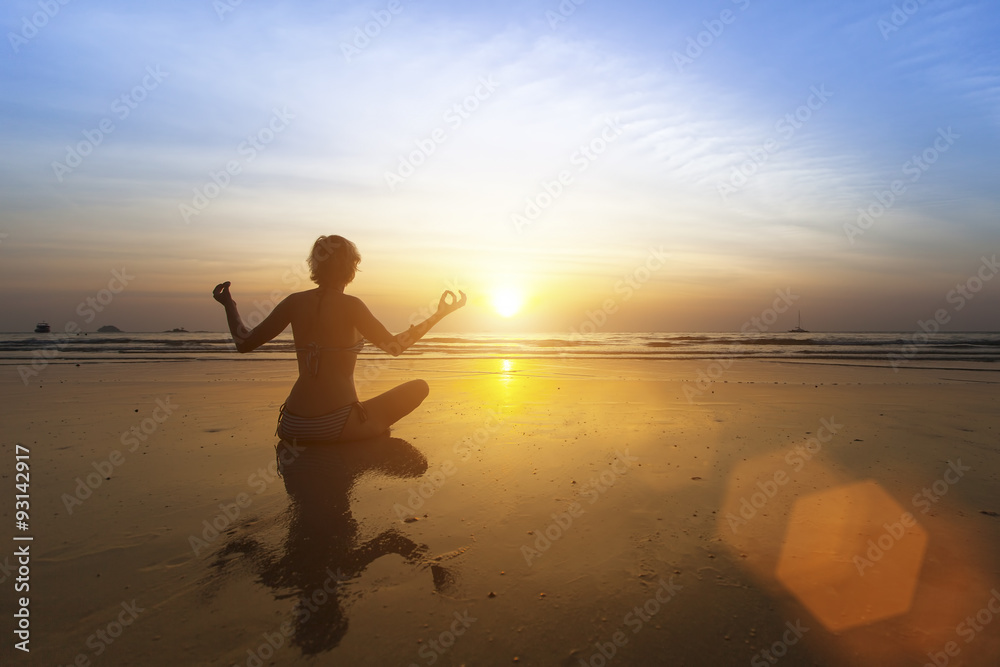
385,410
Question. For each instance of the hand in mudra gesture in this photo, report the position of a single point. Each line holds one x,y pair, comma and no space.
221,293
446,307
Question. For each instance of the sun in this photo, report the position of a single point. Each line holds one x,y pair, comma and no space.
507,301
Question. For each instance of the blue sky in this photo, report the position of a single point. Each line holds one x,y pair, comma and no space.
883,88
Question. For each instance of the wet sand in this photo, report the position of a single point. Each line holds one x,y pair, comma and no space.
535,512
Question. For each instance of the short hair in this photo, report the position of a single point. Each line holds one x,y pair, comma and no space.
333,261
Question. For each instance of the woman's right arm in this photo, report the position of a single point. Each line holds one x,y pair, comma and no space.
375,333
247,340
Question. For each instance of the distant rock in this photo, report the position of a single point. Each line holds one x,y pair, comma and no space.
109,328
180,330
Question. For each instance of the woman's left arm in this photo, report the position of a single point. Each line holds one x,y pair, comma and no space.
246,339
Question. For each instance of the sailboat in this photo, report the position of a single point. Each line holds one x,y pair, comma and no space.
798,329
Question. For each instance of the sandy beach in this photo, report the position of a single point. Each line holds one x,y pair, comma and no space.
534,512
706,298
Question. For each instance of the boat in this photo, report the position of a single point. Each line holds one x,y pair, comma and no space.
42,327
798,329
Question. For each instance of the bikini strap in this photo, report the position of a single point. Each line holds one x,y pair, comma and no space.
319,299
281,414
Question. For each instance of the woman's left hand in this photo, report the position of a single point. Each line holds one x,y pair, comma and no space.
445,307
222,295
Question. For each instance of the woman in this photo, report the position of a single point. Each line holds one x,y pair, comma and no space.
329,328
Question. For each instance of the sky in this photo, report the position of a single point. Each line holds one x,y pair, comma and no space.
642,166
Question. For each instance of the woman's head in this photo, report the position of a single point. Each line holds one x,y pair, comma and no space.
333,261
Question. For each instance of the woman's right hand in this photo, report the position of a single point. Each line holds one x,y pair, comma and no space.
445,307
222,295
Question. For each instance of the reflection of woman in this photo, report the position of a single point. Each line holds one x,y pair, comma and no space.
322,554
329,328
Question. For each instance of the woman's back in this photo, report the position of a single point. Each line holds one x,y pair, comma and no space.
326,345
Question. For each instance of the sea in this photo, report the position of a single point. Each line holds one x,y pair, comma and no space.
887,348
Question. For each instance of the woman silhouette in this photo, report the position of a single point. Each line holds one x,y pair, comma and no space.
329,329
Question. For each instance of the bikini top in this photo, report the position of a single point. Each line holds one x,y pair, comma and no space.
314,350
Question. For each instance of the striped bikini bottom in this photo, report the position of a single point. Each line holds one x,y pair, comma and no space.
326,427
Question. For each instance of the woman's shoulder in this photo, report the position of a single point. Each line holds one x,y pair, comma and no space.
349,300
297,301
304,295
297,297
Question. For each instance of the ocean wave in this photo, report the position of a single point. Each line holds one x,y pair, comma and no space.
176,346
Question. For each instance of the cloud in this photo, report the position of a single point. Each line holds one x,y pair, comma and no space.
415,92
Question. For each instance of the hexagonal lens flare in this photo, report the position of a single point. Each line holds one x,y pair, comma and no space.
852,555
